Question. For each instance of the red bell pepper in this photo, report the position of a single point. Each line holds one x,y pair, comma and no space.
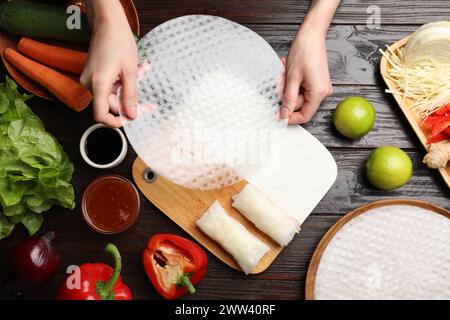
431,121
98,281
439,127
443,110
174,265
439,137
438,124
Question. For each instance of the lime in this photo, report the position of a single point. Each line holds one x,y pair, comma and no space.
354,117
388,168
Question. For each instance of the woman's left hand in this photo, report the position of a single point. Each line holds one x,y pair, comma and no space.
307,77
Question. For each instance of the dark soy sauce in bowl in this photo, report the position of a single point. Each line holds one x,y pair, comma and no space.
103,145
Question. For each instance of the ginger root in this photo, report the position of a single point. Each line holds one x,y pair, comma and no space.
438,155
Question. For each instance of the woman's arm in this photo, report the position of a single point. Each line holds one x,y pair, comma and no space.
112,58
307,76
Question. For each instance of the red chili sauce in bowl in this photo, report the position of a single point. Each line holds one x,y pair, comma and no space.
110,204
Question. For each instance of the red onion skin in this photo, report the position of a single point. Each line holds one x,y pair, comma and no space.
31,263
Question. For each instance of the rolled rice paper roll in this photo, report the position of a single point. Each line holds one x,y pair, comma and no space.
266,215
245,248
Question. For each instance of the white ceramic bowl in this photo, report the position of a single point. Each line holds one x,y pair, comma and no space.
116,162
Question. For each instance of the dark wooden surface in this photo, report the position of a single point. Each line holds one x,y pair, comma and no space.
354,58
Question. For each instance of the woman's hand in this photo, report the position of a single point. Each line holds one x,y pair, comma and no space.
307,77
112,58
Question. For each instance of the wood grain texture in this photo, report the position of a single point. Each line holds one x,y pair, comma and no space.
293,11
354,69
185,206
389,118
329,235
353,55
352,189
352,49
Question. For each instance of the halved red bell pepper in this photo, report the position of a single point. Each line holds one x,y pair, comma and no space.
174,265
98,281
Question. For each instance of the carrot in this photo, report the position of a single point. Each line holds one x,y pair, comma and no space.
53,56
67,90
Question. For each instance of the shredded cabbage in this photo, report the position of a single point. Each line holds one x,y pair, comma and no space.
421,69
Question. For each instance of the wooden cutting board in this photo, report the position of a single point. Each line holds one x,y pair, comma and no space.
185,206
307,172
405,106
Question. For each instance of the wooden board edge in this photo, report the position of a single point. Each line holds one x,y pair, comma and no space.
318,252
384,66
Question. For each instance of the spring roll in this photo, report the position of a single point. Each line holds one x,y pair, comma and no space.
266,215
245,248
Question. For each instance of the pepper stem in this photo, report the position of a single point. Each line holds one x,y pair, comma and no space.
105,289
183,281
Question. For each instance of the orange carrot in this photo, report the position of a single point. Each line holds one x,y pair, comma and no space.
67,90
53,56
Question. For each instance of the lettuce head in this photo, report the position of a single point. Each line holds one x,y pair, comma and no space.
35,172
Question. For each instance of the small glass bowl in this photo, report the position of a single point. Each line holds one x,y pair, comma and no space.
85,213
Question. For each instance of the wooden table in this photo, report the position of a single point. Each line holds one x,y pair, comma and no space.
354,58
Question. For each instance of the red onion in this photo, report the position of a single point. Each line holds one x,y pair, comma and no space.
31,262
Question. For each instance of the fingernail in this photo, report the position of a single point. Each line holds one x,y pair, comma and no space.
284,113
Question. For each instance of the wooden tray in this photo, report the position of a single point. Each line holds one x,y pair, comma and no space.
185,206
405,107
10,41
315,260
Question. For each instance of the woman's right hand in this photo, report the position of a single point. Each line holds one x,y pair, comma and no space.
112,61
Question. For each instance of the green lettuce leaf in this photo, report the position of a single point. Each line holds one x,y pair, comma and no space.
6,227
32,222
35,172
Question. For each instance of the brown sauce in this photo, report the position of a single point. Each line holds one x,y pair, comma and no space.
110,204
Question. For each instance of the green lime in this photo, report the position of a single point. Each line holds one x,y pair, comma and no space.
388,168
354,117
